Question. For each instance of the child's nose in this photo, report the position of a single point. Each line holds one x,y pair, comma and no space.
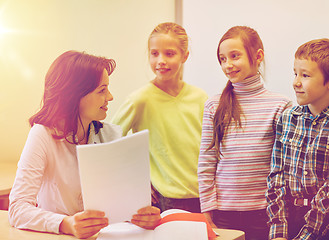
297,82
228,63
162,59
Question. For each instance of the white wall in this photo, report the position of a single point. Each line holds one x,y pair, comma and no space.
283,25
39,31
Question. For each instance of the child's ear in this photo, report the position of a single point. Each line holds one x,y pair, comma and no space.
259,56
186,56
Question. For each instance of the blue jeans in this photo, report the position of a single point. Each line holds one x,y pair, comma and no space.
252,223
296,221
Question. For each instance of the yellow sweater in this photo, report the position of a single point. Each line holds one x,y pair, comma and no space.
174,125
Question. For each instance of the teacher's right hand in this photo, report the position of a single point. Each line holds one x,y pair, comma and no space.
84,224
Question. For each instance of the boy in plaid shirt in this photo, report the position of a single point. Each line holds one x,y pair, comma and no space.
298,185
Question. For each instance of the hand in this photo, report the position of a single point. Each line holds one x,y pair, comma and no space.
147,217
208,216
155,198
84,224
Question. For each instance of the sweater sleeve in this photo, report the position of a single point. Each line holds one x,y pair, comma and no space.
207,165
125,116
277,190
23,211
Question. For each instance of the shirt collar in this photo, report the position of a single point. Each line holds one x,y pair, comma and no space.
249,86
92,133
304,110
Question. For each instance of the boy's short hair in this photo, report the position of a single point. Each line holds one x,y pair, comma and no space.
318,51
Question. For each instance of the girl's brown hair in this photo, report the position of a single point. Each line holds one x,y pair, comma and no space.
229,108
70,77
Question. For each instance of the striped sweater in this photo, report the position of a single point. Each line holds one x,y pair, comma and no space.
237,182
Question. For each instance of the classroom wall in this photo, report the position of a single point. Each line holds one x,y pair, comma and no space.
283,25
34,32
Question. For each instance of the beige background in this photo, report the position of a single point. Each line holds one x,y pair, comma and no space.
34,32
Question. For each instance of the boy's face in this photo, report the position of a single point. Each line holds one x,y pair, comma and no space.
309,85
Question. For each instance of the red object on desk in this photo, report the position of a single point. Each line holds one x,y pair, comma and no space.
194,217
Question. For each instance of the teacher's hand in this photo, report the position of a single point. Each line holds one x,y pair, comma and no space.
84,224
147,217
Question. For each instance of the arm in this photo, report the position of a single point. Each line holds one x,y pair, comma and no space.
31,176
315,217
208,216
23,211
207,165
276,191
279,111
125,116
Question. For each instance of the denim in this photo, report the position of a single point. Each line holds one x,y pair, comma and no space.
296,221
252,223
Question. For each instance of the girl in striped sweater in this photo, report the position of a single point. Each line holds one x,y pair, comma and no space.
237,138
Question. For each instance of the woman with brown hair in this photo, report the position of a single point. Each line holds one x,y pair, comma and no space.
46,195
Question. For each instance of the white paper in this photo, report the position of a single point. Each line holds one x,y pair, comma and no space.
115,176
125,231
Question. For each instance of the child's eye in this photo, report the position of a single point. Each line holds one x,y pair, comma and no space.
154,53
235,55
222,59
170,53
305,75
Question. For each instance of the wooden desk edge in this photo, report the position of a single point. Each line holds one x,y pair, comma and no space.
5,228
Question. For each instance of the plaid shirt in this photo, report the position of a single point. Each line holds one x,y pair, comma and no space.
300,168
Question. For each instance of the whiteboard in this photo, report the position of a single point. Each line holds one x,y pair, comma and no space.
282,25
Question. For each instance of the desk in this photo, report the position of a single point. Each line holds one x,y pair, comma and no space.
9,233
7,177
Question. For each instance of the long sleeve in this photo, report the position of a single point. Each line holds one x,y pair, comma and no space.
301,143
47,185
315,217
125,116
207,164
23,210
277,190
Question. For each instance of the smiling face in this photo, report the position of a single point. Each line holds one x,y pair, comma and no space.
93,106
309,85
166,58
234,60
